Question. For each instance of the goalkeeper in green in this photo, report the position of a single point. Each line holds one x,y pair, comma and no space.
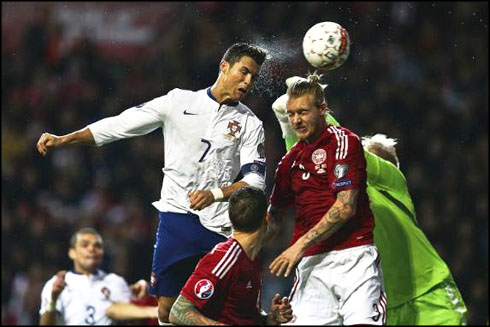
420,288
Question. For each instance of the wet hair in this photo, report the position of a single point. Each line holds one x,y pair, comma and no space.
238,50
310,85
247,208
382,146
84,230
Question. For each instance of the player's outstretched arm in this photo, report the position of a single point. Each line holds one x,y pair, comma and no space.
47,140
340,212
183,312
127,311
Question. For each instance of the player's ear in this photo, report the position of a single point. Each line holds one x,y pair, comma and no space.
71,254
224,66
323,108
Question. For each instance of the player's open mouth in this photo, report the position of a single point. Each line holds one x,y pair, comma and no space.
242,91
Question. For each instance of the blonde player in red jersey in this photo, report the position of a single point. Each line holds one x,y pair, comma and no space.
338,277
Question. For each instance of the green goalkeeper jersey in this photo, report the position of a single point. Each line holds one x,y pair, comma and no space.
410,264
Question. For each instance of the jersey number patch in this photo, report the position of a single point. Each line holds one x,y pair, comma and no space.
208,146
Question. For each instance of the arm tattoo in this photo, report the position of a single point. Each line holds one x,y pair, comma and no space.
342,209
185,313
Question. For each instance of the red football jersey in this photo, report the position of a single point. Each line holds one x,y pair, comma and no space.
225,286
310,176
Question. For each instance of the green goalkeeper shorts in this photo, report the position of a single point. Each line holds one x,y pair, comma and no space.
441,305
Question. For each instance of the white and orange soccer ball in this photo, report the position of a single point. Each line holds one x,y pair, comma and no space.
326,45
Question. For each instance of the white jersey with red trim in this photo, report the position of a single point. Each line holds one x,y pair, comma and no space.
207,145
85,298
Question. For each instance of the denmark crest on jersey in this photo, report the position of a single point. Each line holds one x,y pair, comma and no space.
234,127
319,156
204,289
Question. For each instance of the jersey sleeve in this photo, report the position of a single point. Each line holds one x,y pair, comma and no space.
46,297
252,157
282,194
120,291
135,121
349,166
204,288
383,174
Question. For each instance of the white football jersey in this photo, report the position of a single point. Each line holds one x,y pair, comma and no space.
206,146
85,298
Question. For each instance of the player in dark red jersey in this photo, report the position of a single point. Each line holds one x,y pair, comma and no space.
338,277
225,286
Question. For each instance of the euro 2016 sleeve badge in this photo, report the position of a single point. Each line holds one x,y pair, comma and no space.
340,170
204,289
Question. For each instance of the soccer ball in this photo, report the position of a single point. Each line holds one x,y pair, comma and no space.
326,45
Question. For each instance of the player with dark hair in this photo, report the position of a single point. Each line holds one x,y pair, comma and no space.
87,295
225,287
338,280
221,139
419,285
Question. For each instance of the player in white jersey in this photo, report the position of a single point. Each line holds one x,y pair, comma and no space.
87,295
210,139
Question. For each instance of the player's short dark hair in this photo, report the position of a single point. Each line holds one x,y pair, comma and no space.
84,230
310,85
238,50
247,208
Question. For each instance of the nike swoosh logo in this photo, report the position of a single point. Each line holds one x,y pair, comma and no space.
188,113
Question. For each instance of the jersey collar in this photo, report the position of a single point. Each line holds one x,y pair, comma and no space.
231,104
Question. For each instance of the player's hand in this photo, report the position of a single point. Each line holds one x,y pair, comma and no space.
279,108
287,260
58,285
139,289
200,199
292,79
280,310
47,141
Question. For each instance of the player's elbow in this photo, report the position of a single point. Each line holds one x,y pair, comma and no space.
348,211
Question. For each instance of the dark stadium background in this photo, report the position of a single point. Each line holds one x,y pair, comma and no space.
417,72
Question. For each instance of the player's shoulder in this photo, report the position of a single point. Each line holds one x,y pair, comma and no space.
292,154
251,116
341,131
222,252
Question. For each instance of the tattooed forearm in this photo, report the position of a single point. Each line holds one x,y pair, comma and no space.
343,208
183,312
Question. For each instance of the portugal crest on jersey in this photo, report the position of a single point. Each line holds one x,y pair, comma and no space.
233,128
204,289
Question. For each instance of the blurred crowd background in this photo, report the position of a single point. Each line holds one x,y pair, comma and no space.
417,72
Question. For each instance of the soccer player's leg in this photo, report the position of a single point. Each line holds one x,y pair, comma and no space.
361,290
442,305
180,243
311,297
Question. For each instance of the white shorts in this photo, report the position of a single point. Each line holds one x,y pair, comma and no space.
342,287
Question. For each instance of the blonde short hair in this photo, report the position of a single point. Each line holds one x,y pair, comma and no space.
309,85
